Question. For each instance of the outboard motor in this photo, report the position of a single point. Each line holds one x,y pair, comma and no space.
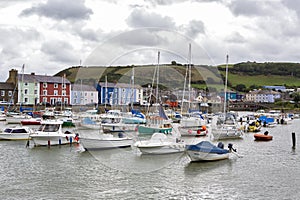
230,147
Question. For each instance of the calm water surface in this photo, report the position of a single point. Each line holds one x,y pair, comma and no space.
264,170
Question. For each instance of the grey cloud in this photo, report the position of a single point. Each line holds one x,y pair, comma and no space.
194,28
141,18
15,41
247,7
292,5
60,10
59,51
235,37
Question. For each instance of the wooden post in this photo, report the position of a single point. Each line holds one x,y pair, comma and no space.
294,140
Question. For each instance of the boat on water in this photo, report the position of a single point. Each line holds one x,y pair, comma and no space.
31,121
88,123
16,133
160,143
102,141
226,127
263,137
156,124
206,151
50,133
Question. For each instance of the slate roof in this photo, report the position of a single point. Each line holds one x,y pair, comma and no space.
7,86
42,78
79,87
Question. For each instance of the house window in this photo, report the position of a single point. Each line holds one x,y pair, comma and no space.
55,92
26,91
44,92
25,83
64,93
55,85
85,94
63,85
26,100
44,85
35,91
35,84
66,100
45,99
92,94
10,93
2,93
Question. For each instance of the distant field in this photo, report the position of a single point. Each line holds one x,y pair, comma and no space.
263,80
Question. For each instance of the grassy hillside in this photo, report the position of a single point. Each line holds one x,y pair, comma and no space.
173,76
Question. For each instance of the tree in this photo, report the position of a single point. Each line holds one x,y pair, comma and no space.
240,87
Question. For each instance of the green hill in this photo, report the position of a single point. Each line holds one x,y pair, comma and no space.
172,76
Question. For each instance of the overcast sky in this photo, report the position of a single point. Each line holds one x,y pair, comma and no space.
50,35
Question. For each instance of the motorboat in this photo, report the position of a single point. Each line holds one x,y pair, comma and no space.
263,137
105,141
193,131
88,123
206,151
16,133
160,143
226,127
31,121
50,133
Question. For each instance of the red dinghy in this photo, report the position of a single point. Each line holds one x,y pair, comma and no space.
263,137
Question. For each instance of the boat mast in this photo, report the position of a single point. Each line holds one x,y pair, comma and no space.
22,87
157,78
132,88
106,92
225,88
190,74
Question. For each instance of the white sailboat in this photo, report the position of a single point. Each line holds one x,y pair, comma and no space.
225,125
191,124
154,123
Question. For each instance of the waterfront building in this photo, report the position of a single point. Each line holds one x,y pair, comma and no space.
83,94
262,96
33,89
119,93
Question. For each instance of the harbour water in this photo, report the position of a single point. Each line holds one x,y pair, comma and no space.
263,170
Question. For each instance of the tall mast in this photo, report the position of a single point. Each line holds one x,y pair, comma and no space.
132,88
106,92
157,78
225,88
22,86
190,73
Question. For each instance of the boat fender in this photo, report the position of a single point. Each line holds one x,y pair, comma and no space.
220,145
77,137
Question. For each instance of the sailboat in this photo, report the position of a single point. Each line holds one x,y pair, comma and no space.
191,124
154,123
225,125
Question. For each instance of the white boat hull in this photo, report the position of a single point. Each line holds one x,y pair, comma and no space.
50,139
159,148
204,156
221,134
18,136
105,143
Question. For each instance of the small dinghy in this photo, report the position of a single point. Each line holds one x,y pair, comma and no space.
263,137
